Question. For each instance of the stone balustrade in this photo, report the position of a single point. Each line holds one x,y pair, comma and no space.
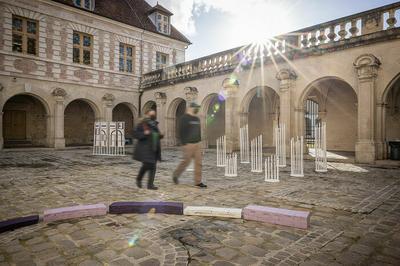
341,33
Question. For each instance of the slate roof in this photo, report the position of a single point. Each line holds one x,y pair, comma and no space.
121,11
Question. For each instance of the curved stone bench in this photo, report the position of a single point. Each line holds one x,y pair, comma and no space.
146,207
72,212
11,224
213,211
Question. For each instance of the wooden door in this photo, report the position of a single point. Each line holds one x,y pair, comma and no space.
14,122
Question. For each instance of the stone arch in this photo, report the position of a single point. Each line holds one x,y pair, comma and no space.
259,109
149,105
79,117
337,106
26,121
125,112
172,120
388,117
212,113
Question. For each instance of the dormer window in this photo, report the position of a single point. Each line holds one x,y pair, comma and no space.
161,18
86,4
162,23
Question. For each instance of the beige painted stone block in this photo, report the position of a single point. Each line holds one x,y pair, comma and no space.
213,211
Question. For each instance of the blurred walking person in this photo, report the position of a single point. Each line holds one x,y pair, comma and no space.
148,148
190,137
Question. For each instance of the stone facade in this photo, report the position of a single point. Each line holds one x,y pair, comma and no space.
350,71
55,81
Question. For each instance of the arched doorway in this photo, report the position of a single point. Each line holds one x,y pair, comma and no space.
334,101
175,110
122,113
261,113
150,105
25,122
79,118
213,112
392,115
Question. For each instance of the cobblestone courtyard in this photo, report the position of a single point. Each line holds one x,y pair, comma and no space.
355,214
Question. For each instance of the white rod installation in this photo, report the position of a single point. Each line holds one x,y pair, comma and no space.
296,157
109,138
231,165
320,148
221,151
280,144
256,155
272,169
244,144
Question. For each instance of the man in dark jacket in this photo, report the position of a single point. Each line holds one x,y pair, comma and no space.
148,148
190,137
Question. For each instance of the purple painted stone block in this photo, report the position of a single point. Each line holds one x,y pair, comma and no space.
146,207
299,219
72,212
15,223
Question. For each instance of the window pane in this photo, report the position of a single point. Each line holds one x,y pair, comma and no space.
165,28
76,38
31,27
121,49
17,43
87,4
86,40
159,16
121,64
31,46
86,57
159,27
165,18
163,59
78,2
129,65
17,24
129,51
75,55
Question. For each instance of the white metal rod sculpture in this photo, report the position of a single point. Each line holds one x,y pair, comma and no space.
231,165
244,144
221,151
296,157
256,155
109,138
280,144
272,169
320,148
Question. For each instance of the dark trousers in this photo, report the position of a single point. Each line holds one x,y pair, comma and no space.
147,167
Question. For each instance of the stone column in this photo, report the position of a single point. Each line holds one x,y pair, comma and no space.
367,70
108,104
161,100
1,131
232,116
59,96
380,145
287,79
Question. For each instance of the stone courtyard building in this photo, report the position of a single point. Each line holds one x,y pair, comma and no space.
65,64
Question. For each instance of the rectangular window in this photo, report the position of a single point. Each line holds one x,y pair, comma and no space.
161,60
82,48
162,24
24,35
126,57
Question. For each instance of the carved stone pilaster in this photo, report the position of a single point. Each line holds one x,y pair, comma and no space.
161,98
108,102
59,140
191,94
108,98
286,77
59,94
367,67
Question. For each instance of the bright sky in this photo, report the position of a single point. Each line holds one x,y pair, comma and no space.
217,25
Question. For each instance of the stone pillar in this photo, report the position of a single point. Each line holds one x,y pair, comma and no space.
380,144
108,104
1,131
232,116
367,70
191,94
287,79
59,96
161,100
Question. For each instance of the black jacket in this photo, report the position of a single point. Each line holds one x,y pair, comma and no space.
189,129
148,147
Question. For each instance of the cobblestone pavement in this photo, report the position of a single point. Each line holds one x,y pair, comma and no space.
355,214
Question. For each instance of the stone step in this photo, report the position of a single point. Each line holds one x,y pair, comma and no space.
298,219
72,212
146,207
213,211
19,222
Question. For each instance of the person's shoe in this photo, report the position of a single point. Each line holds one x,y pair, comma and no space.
201,185
175,179
152,187
139,183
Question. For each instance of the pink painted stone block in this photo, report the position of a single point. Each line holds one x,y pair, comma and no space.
299,219
72,212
